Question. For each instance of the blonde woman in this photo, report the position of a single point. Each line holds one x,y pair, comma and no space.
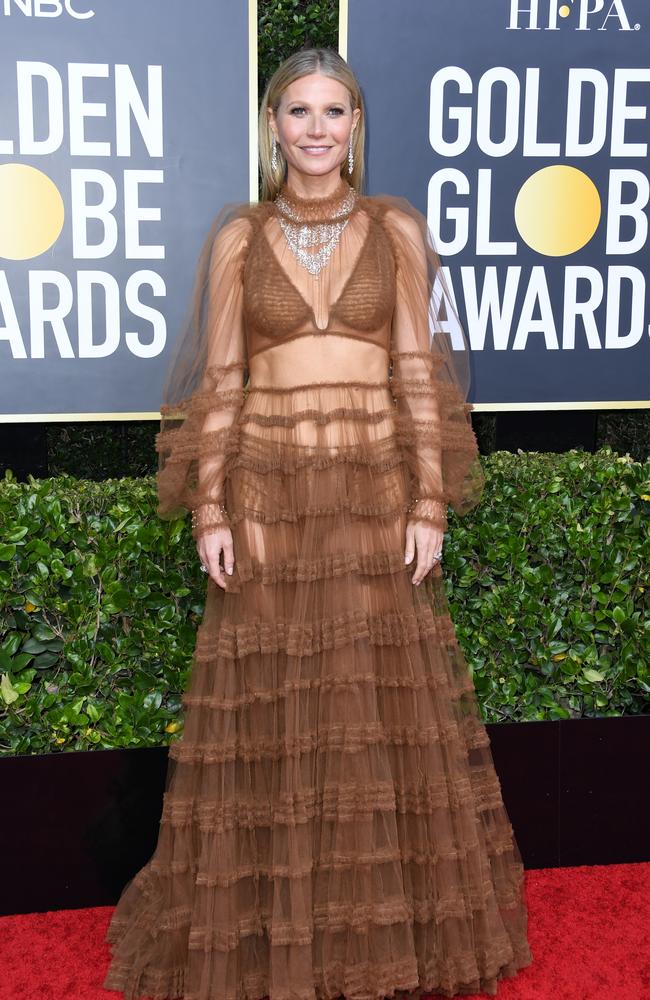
332,823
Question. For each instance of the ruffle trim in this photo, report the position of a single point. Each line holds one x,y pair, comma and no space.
270,695
279,458
463,973
206,401
299,387
167,984
369,981
343,805
340,865
416,858
215,374
323,209
335,918
391,628
334,738
320,568
189,444
340,917
299,512
361,414
188,441
435,522
435,361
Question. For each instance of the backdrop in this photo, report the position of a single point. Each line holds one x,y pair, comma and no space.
124,127
520,128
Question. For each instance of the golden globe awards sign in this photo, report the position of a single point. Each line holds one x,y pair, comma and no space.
520,128
124,127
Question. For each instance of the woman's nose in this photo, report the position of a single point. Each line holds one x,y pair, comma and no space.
316,125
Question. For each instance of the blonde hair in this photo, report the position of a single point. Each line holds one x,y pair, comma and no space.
299,64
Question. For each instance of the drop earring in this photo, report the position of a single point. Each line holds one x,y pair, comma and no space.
350,156
274,155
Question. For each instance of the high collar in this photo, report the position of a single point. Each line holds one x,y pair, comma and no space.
320,209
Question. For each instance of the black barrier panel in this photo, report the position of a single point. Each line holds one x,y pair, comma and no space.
84,822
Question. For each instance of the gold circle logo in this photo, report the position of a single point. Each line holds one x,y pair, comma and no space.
31,211
557,210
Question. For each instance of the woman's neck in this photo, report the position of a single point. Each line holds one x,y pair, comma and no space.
307,187
336,205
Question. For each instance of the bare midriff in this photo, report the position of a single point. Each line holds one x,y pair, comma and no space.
318,357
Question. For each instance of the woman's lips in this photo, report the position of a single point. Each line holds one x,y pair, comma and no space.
315,150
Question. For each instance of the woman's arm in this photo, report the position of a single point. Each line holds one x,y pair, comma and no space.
222,393
205,389
428,383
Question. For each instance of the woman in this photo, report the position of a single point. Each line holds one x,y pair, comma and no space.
332,821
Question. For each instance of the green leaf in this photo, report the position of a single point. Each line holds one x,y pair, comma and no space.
19,662
22,687
42,631
11,643
16,534
153,700
45,660
33,646
8,692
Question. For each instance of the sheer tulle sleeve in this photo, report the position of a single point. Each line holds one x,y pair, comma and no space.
205,386
430,374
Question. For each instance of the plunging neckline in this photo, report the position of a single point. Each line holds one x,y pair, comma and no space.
333,306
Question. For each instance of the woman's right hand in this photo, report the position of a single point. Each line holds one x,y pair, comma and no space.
210,546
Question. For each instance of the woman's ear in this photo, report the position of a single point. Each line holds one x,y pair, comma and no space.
271,120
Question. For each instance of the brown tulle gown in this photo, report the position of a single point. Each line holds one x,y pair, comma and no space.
332,824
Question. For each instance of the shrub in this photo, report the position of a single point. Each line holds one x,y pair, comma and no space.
547,582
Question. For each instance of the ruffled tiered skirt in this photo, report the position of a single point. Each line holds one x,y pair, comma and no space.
332,823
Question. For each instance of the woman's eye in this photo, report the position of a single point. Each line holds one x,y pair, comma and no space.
337,111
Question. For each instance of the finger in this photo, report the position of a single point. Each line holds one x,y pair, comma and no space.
213,563
217,573
409,551
425,563
420,569
228,557
418,554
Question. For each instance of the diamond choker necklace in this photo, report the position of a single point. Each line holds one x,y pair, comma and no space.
308,222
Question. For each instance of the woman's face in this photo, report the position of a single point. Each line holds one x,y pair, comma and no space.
313,125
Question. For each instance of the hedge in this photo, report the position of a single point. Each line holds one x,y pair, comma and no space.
547,581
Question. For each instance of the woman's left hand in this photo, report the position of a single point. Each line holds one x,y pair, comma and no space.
427,538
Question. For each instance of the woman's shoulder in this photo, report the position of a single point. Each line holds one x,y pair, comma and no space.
401,219
232,228
237,218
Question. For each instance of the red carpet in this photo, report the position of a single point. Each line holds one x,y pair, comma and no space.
589,932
